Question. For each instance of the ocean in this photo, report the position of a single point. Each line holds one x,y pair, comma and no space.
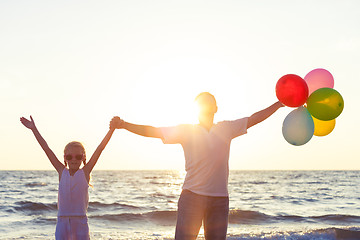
142,204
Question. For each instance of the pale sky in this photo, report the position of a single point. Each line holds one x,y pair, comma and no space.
73,65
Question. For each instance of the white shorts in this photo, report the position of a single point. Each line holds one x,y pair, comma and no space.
72,228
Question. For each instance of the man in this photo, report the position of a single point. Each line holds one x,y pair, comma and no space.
206,148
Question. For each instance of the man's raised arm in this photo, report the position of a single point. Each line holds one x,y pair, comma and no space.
142,130
263,114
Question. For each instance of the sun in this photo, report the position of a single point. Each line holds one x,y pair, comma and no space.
165,107
165,91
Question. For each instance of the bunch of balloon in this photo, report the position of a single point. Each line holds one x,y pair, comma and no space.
324,103
317,103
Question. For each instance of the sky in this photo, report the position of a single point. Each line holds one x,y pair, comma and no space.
73,65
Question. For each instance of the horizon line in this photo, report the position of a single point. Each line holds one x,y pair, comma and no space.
184,170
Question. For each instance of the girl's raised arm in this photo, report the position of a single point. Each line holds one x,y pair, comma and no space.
49,153
93,160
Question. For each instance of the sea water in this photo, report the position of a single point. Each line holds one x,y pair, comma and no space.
143,204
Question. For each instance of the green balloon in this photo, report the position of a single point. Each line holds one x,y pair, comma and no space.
325,104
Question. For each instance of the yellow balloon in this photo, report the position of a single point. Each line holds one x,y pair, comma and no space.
323,128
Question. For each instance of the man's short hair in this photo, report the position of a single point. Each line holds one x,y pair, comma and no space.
208,97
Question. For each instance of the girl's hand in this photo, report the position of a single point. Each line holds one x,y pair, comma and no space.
116,123
28,123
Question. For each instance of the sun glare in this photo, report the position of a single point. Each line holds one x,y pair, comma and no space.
167,109
165,94
179,112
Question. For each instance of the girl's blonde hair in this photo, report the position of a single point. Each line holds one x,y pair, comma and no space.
75,144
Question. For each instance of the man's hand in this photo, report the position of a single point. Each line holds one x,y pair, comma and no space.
117,123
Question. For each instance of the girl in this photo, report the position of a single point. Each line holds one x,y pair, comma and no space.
73,198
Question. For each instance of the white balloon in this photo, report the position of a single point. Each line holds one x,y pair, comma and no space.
298,127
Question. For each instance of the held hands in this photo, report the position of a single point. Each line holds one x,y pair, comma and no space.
28,123
117,123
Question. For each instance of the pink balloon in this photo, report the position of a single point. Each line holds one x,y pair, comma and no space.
319,78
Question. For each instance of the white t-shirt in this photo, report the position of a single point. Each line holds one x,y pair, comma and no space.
206,154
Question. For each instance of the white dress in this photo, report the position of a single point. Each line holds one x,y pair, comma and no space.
73,201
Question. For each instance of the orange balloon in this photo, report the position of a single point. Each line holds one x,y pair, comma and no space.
323,128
